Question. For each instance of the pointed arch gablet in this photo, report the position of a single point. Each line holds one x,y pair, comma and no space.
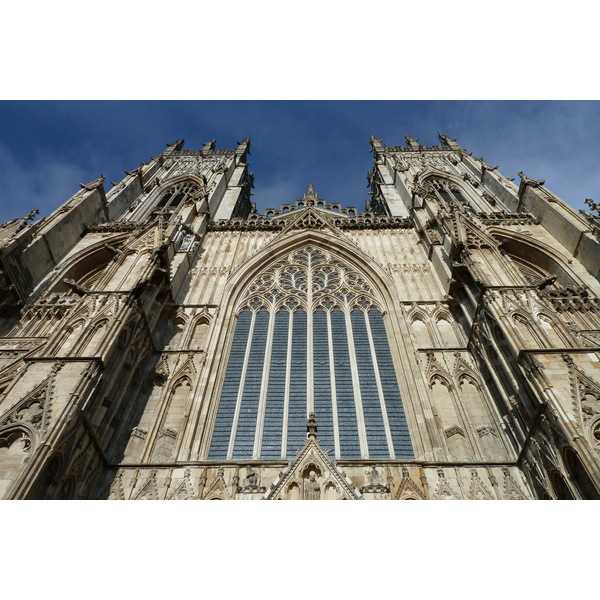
339,246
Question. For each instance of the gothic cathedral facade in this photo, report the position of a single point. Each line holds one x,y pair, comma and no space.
164,340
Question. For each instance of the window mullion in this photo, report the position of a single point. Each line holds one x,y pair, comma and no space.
360,418
386,423
262,403
240,395
288,376
334,410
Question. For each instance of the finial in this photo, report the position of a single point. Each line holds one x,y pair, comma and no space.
375,143
210,145
311,426
177,144
446,140
310,196
411,142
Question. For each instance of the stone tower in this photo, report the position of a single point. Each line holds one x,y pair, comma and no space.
164,340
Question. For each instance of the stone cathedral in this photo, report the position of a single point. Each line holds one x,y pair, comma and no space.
164,340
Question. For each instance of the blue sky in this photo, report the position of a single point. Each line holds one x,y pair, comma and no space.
48,147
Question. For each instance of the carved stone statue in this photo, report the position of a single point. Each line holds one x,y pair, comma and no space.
251,478
312,489
375,478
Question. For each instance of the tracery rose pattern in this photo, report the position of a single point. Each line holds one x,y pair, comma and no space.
313,277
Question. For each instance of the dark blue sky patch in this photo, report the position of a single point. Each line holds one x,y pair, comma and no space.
48,147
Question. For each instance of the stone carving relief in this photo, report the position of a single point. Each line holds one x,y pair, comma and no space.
310,277
478,491
184,490
409,490
512,491
375,485
251,484
197,165
312,488
149,488
443,491
312,476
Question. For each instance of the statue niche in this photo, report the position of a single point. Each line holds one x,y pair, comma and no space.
310,478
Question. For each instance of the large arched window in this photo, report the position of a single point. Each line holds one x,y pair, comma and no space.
310,337
180,193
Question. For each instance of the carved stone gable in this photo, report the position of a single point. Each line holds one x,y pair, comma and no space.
149,488
183,491
408,489
512,491
309,218
443,491
217,489
478,490
313,476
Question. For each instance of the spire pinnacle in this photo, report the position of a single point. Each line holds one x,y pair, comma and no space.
310,197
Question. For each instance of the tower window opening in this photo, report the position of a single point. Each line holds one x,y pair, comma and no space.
178,194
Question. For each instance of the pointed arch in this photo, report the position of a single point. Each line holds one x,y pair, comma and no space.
579,476
524,327
466,193
327,353
177,326
445,328
87,266
552,330
199,331
535,255
421,328
90,343
294,240
171,194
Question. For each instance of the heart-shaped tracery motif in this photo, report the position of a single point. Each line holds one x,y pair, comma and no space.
314,278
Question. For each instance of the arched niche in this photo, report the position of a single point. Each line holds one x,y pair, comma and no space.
552,331
200,333
90,345
579,475
331,492
420,331
67,490
535,260
442,397
150,396
172,420
86,268
444,402
15,447
49,477
448,337
528,334
175,335
293,491
561,489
